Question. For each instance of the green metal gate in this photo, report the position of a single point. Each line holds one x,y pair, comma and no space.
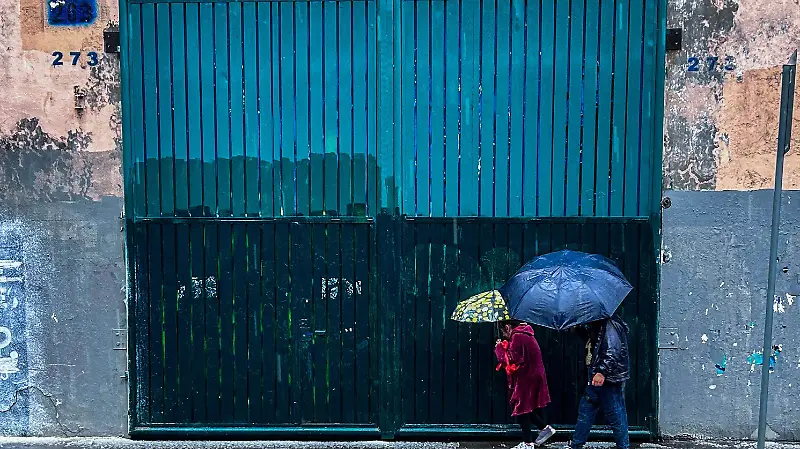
312,185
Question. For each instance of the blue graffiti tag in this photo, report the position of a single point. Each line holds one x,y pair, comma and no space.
71,12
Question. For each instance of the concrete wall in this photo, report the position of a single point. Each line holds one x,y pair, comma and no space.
713,297
68,298
720,139
62,272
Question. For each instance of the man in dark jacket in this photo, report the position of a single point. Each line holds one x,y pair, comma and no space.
607,363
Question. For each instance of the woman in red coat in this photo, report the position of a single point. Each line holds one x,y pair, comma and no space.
519,354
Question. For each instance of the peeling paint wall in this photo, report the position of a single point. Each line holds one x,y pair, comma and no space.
62,274
721,122
49,150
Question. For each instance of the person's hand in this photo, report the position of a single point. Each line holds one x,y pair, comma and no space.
499,342
598,380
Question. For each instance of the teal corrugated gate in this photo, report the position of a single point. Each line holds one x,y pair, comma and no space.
312,185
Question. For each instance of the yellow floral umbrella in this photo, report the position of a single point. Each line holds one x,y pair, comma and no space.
486,307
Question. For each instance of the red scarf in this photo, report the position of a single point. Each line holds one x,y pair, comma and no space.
510,367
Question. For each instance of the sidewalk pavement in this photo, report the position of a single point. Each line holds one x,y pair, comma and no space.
123,443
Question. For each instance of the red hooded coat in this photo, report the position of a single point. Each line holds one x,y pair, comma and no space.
522,360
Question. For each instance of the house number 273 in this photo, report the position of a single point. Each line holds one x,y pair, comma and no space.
76,56
712,64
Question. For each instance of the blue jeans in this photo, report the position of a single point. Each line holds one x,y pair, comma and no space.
611,398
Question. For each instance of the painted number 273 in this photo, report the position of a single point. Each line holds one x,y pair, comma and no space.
712,64
75,57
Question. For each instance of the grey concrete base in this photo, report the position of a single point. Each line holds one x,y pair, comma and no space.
713,300
61,299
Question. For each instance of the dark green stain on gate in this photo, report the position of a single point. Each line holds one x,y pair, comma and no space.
303,213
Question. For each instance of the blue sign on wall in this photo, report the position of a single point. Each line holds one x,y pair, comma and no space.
71,12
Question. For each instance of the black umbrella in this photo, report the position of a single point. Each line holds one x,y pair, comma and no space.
564,289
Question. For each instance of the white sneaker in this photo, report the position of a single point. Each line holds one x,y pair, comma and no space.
524,446
544,435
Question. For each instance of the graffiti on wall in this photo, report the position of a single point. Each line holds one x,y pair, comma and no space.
331,287
71,12
8,365
13,346
199,286
12,282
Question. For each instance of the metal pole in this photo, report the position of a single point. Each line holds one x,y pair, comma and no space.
784,140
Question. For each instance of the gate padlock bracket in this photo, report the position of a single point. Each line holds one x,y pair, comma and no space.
674,39
111,38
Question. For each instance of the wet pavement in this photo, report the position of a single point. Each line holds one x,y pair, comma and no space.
122,443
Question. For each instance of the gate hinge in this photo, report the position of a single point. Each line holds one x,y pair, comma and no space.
668,338
666,255
120,339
